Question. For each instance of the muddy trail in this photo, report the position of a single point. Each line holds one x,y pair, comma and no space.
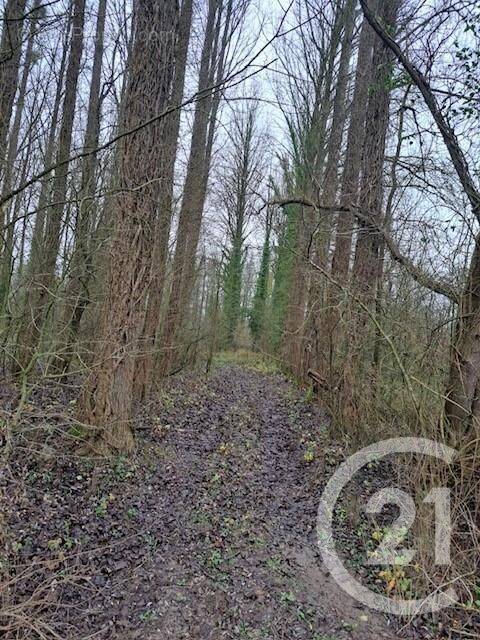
208,532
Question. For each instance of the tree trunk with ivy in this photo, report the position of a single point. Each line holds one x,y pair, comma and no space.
107,397
146,361
365,270
259,303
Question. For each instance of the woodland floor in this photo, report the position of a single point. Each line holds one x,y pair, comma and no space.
208,532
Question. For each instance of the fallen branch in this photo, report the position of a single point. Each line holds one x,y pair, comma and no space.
319,381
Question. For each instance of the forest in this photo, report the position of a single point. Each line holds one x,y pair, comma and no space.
239,250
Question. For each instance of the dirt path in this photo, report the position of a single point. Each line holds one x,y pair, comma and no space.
209,533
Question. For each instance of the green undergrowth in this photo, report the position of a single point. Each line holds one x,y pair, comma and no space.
250,359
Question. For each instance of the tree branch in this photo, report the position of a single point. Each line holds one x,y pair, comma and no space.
453,147
420,276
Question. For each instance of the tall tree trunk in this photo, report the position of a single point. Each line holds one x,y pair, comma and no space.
104,225
216,76
45,188
307,224
146,359
462,406
353,154
12,154
10,54
257,315
80,270
237,197
21,203
366,263
217,67
40,295
193,199
317,314
107,397
333,332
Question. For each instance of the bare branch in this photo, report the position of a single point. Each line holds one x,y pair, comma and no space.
453,147
420,276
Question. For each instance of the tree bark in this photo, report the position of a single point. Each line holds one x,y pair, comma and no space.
45,188
318,312
311,174
462,405
146,360
107,396
258,312
10,54
353,154
217,69
357,364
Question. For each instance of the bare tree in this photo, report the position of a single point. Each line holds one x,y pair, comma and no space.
106,402
40,293
309,141
10,54
146,361
80,268
194,190
240,184
12,153
317,322
462,407
353,153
